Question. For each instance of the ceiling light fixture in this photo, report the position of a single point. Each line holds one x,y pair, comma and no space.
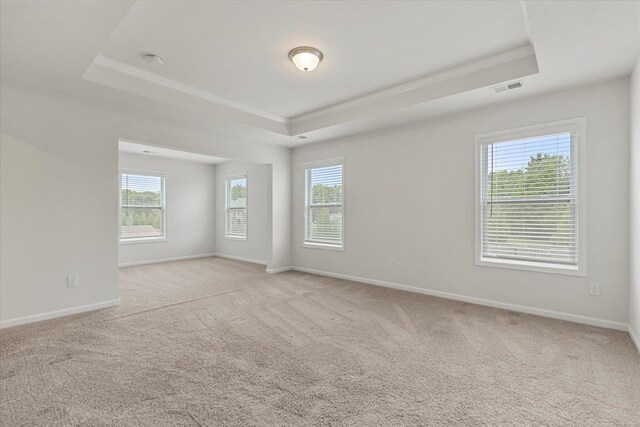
305,58
153,59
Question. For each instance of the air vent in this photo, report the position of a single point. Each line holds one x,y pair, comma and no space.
507,86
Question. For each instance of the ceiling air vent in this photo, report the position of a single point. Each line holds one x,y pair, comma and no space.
506,87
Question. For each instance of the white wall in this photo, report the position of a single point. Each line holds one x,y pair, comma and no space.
634,287
57,150
256,247
59,198
190,210
409,195
58,216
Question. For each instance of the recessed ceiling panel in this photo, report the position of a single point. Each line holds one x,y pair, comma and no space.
238,50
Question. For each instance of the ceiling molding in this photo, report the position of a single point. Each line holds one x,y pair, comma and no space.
513,64
564,36
173,84
122,76
522,52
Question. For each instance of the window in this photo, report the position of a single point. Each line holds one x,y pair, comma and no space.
142,206
323,213
529,207
236,207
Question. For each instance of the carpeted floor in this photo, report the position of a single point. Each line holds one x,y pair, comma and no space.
214,341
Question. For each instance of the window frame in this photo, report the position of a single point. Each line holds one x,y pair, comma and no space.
319,245
227,193
149,239
577,125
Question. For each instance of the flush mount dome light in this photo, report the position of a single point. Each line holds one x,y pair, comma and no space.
153,59
305,58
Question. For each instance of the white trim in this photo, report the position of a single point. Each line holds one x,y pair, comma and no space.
528,266
321,164
593,321
510,65
176,85
482,64
574,125
279,270
238,258
156,261
634,337
136,240
327,246
236,238
57,313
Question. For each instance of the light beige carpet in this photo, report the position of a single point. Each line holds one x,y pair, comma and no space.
213,342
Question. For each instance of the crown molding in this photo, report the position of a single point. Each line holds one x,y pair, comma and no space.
131,79
507,66
176,85
521,52
485,72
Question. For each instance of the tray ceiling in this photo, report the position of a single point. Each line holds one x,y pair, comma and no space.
231,57
226,70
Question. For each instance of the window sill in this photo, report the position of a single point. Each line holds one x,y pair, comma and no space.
326,246
531,266
137,240
239,238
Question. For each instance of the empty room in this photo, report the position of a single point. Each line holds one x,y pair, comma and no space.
319,213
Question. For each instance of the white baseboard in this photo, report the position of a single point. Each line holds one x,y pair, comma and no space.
255,261
634,338
156,261
237,258
473,300
57,313
279,270
480,301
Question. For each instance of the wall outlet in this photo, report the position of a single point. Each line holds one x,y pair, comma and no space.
392,264
594,289
72,281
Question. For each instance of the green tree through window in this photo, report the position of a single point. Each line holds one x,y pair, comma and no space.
142,206
324,205
529,200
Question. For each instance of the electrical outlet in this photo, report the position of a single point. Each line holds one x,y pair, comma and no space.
72,281
392,264
594,289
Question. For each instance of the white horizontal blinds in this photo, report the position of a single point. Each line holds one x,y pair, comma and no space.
530,201
236,206
142,206
324,204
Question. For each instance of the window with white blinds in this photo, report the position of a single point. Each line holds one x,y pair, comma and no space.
236,206
142,206
529,199
323,212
